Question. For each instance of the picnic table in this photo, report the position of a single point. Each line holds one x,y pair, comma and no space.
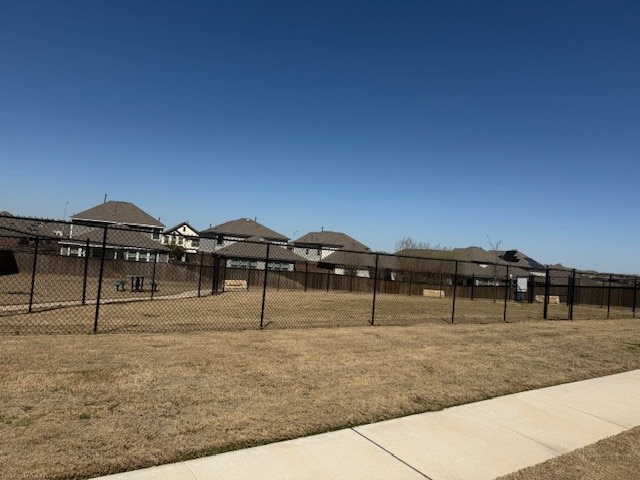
137,282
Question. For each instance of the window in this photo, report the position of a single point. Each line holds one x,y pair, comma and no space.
195,243
279,266
219,239
155,236
180,240
239,263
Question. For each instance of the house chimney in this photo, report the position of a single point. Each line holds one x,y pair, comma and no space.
105,198
322,229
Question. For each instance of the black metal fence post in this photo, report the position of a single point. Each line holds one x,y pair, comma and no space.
86,273
602,293
103,255
609,296
473,284
547,278
248,278
507,288
224,274
410,281
153,274
350,281
572,292
635,295
375,291
33,274
200,273
264,287
216,272
328,278
306,274
455,284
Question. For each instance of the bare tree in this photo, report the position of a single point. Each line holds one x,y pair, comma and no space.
495,248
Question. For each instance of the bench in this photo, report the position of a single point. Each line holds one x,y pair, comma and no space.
433,293
120,283
553,299
230,285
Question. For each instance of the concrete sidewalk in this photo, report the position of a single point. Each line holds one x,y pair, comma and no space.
478,440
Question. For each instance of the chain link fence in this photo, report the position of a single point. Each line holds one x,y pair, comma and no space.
58,277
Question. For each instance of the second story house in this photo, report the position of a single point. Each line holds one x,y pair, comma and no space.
242,229
121,243
120,213
183,239
252,254
316,246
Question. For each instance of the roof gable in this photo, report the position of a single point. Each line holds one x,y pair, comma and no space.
258,251
244,228
360,259
118,212
120,237
183,229
331,239
477,255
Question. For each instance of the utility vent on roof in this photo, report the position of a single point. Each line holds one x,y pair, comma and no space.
510,256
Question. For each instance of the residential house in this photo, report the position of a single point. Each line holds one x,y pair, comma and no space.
120,213
183,239
23,231
474,264
121,243
316,246
360,264
242,229
252,254
336,251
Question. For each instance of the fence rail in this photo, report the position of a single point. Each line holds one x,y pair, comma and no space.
59,279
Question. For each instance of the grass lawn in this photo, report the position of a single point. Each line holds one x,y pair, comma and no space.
176,307
614,458
84,405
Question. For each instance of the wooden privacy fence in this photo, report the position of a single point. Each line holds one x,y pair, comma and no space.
46,280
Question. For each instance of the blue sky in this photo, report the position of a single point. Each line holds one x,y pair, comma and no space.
443,121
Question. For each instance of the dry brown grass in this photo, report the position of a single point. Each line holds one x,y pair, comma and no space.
89,405
284,309
614,458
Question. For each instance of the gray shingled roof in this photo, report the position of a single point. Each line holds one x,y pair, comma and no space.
117,237
17,227
258,251
359,259
512,258
244,228
331,239
118,212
